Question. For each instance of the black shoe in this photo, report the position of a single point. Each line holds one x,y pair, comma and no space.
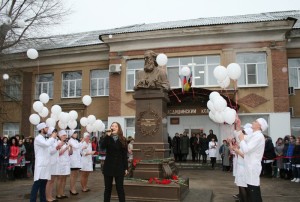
76,193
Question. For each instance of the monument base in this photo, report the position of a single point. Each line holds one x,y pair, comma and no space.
143,191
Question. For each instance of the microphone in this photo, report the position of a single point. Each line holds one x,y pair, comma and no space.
108,130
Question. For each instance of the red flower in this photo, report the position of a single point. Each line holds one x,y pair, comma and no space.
174,177
150,180
135,162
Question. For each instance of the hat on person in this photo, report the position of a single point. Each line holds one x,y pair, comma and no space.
41,126
85,134
50,130
263,123
62,132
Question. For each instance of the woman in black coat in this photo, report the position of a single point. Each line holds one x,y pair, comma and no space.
115,164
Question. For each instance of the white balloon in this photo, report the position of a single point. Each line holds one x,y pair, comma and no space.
44,98
97,124
54,116
225,83
214,95
229,116
34,119
161,59
211,116
64,117
44,112
89,128
72,124
50,122
185,71
219,117
220,104
5,76
91,119
84,121
87,100
32,53
220,73
234,71
210,106
56,109
73,114
37,106
62,125
102,128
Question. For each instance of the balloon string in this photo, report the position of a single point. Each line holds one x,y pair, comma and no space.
236,95
230,104
176,96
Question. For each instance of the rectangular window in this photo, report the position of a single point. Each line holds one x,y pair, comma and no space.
71,84
133,66
202,68
254,69
99,83
11,129
44,84
13,89
294,72
130,127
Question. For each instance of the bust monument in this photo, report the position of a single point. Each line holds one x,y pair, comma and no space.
152,76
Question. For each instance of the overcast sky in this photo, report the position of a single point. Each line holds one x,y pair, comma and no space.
89,15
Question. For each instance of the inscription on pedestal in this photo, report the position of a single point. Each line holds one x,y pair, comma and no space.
148,122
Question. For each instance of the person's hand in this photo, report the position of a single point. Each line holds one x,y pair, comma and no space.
93,152
126,172
241,136
238,124
84,147
108,133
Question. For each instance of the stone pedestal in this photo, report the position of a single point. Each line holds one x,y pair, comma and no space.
152,148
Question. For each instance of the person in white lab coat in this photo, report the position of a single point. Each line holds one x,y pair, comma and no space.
54,153
42,162
212,152
63,167
86,161
75,160
253,148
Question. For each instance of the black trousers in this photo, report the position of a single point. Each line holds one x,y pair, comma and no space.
39,185
108,181
253,193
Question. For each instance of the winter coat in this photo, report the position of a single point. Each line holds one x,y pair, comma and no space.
176,145
184,144
115,163
296,154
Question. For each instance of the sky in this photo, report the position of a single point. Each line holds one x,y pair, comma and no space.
91,15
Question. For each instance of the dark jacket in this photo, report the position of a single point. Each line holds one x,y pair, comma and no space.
184,144
176,145
203,145
29,155
269,152
211,136
296,154
115,162
4,152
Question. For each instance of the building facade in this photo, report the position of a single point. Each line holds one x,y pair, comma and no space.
104,64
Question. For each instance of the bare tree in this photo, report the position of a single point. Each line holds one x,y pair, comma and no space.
21,19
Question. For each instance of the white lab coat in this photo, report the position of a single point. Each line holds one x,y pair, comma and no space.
253,148
63,164
54,154
212,152
76,156
86,160
42,157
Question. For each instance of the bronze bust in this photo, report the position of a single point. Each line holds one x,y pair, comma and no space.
152,76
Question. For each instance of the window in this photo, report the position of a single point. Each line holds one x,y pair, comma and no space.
99,83
71,84
254,69
44,84
133,66
13,89
130,127
294,72
11,129
202,68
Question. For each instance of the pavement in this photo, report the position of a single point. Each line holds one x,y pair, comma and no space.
206,185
